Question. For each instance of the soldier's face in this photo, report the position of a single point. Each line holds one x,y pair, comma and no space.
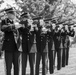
24,19
11,16
66,27
60,26
62,30
53,26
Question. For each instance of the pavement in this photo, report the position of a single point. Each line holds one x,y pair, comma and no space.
68,70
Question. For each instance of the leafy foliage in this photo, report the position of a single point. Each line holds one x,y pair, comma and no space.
58,9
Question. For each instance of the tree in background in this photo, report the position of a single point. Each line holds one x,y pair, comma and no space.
45,8
61,10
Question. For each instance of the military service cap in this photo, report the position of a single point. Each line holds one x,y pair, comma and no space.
9,10
24,15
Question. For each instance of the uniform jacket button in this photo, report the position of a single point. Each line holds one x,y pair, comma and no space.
28,39
28,36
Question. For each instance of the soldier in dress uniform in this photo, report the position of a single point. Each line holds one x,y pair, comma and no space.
28,43
9,45
57,47
63,35
60,43
47,23
41,44
67,44
70,33
51,48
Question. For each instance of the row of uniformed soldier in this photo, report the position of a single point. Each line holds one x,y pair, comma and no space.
37,38
49,41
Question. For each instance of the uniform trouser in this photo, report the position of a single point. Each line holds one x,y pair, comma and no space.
24,63
12,58
63,57
51,61
67,55
0,54
58,51
34,58
38,58
0,49
46,62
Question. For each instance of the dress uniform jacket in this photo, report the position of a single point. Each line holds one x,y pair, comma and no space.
41,42
50,40
57,39
28,40
71,34
63,35
67,41
9,41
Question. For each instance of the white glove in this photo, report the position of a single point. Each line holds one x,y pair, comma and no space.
17,25
53,26
42,22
